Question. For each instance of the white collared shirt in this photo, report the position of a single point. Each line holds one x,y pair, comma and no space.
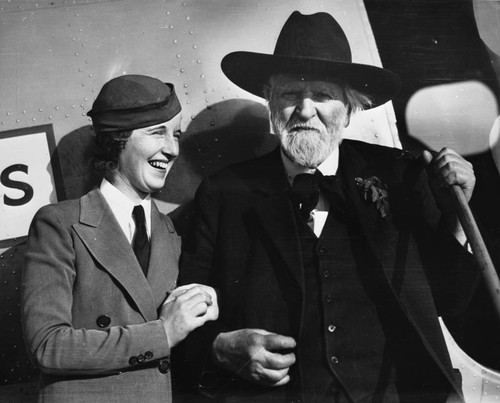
329,166
122,207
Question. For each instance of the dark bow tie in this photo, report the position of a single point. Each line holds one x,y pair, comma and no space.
305,190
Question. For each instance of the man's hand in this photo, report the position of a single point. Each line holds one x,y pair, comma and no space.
187,308
255,355
446,169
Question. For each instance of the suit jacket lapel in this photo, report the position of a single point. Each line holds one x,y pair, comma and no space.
106,241
385,241
389,244
278,220
164,257
275,213
376,228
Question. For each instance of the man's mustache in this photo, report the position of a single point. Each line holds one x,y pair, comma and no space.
298,127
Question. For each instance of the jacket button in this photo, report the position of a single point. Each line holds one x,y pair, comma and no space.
326,273
332,328
103,321
164,366
334,360
140,359
322,249
148,355
133,361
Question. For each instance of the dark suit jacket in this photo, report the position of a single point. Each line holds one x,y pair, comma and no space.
80,269
245,245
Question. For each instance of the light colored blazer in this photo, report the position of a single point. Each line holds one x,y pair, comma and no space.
90,317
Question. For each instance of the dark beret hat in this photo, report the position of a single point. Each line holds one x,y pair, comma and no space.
133,101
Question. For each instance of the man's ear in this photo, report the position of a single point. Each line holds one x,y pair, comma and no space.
266,91
348,117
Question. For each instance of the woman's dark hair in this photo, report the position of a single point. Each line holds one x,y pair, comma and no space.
108,148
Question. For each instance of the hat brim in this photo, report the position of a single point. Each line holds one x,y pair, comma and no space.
251,71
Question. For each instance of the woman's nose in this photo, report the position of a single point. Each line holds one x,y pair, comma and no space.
170,146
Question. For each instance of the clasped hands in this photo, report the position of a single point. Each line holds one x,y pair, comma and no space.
187,308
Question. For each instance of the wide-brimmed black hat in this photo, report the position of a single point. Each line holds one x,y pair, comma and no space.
310,44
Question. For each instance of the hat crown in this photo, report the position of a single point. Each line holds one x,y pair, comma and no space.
133,101
131,91
315,36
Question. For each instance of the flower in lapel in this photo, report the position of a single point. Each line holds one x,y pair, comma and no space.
373,188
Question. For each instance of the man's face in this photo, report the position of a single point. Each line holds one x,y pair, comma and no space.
147,157
308,114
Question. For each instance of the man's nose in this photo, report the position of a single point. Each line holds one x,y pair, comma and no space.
306,108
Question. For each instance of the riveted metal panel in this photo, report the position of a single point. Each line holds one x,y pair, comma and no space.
56,55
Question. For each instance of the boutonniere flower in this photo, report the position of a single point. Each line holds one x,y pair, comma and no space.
373,189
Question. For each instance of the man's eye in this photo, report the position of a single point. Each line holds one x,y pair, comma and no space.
290,96
323,96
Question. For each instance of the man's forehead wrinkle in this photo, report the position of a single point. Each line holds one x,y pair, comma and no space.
306,85
306,77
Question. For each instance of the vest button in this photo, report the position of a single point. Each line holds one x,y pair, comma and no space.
334,360
332,328
322,249
326,273
329,298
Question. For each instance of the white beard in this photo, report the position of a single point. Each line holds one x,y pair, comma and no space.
308,144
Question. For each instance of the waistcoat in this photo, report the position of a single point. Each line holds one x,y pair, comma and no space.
350,315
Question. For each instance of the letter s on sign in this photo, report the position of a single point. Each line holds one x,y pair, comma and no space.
24,187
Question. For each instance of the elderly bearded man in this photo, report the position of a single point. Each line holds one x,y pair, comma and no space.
331,259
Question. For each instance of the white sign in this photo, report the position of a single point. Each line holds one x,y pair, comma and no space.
27,177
